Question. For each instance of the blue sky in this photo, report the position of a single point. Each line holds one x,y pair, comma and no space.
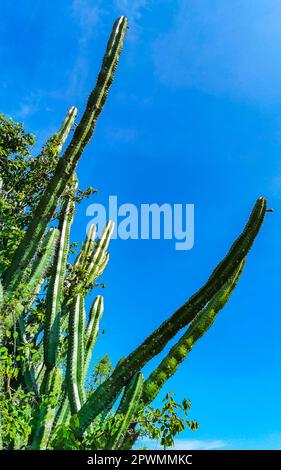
194,116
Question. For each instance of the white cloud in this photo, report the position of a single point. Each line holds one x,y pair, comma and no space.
223,47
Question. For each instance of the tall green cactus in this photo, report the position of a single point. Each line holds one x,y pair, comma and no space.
56,283
65,340
67,164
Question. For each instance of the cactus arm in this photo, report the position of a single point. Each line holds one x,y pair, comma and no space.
81,352
154,344
56,283
63,413
75,373
103,265
87,248
79,355
40,370
63,133
47,413
78,266
96,313
67,164
72,356
126,410
99,255
38,270
66,128
86,273
42,262
109,408
28,371
89,244
99,259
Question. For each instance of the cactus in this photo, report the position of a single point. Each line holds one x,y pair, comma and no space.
198,327
126,410
55,288
96,313
68,162
65,340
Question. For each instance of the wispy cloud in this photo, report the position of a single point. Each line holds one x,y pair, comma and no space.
78,77
223,47
89,14
25,110
261,442
29,105
276,185
121,134
198,444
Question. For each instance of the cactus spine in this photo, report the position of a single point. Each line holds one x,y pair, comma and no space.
67,337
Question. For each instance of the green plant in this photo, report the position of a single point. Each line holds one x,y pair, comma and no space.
47,345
